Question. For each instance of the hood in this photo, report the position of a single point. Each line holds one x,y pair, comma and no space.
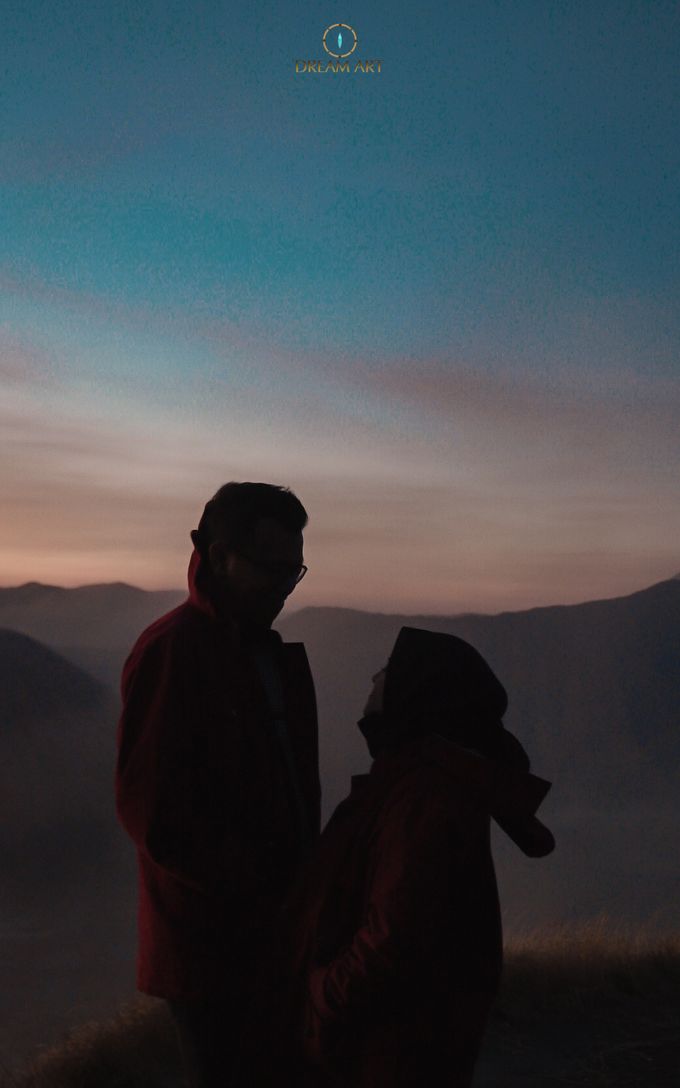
432,673
439,690
511,796
439,683
198,582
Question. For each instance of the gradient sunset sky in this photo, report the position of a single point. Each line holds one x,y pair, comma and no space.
440,302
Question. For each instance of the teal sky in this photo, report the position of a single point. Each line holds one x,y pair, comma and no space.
440,302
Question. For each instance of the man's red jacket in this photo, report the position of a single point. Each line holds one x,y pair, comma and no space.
203,790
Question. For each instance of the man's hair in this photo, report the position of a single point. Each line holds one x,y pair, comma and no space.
234,510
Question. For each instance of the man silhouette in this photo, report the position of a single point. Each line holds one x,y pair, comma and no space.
217,776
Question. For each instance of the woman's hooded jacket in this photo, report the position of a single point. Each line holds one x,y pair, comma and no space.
393,942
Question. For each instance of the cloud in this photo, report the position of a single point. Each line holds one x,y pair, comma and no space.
28,160
536,427
112,496
23,363
432,485
241,341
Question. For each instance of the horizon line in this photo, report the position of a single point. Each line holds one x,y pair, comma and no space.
293,610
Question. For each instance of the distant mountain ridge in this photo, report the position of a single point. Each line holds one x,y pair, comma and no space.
57,749
594,694
95,625
603,673
67,898
92,625
54,614
35,681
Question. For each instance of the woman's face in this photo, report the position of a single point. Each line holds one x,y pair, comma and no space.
374,703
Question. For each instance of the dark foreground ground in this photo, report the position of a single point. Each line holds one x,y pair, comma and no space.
589,1008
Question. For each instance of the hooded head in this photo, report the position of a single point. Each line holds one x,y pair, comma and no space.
437,683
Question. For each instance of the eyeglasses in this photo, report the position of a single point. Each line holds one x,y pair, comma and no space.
281,572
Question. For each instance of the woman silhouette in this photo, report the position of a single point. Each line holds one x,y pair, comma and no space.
392,948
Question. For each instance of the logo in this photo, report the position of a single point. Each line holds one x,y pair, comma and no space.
339,42
332,35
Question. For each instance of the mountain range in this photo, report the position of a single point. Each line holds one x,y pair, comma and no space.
594,696
594,688
94,626
56,750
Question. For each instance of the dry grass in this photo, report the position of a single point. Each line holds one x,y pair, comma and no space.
599,963
134,1049
595,1006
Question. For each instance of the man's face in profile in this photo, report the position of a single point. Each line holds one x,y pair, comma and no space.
256,576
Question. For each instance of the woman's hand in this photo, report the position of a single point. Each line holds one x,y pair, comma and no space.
326,1042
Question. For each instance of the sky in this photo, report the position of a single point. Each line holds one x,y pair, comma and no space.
439,301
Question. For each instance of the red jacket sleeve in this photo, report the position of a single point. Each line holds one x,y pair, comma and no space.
160,781
417,859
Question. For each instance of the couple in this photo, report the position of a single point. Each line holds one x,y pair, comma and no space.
369,955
